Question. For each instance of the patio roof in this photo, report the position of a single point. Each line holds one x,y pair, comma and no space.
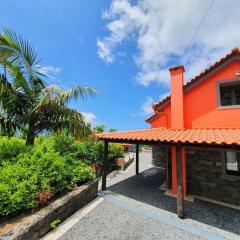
220,137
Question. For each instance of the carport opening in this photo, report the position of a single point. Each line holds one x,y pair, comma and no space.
177,172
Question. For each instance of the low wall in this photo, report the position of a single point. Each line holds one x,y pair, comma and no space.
38,224
128,163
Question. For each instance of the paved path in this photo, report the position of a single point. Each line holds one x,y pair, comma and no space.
135,208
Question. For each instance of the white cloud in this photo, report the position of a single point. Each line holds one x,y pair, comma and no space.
104,51
89,117
162,31
147,106
49,70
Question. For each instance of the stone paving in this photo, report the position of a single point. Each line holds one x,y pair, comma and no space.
135,208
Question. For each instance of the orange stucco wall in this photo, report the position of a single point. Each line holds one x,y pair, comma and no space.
200,104
164,120
200,110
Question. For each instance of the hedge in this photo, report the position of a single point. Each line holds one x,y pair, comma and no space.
30,176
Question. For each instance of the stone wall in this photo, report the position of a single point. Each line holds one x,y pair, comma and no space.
159,156
205,177
204,174
35,226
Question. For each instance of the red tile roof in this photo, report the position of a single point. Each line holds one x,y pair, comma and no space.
234,52
186,136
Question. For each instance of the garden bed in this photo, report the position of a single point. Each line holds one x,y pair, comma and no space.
32,177
38,224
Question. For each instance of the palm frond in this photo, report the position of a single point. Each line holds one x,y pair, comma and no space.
55,94
19,82
19,52
64,97
54,117
70,119
20,49
77,92
6,124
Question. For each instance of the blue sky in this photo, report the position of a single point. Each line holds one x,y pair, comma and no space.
122,48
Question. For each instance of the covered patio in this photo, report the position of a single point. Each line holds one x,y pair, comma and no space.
227,139
133,207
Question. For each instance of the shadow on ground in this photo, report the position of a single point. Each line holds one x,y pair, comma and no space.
145,188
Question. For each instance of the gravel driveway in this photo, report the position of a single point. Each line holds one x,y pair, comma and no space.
133,207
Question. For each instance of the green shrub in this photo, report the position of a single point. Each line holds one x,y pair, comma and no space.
40,169
10,148
55,223
30,176
63,144
116,151
93,151
17,189
50,167
82,173
86,152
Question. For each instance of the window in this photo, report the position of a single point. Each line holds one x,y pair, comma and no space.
232,163
230,93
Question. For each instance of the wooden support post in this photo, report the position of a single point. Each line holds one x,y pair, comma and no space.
167,178
137,159
174,170
180,203
105,166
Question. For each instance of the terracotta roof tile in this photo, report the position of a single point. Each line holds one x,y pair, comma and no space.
235,51
186,136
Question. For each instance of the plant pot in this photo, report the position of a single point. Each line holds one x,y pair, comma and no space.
120,163
94,167
97,169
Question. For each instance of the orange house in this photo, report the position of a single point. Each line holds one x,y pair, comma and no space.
211,100
195,134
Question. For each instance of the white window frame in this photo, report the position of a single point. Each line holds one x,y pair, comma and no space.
223,82
225,171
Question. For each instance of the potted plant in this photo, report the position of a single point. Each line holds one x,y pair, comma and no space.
120,162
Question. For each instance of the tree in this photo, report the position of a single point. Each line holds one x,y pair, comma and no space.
99,128
27,104
112,130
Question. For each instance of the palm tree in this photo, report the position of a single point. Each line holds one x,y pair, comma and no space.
27,104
